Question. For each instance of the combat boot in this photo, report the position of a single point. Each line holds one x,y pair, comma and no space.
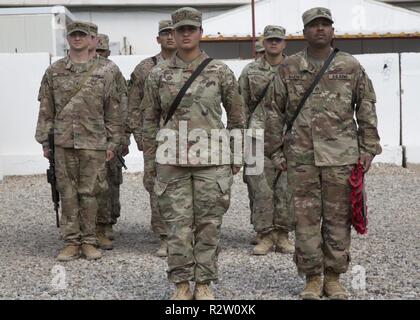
109,232
283,243
202,291
103,241
182,291
90,252
313,288
332,286
265,245
69,252
163,249
255,240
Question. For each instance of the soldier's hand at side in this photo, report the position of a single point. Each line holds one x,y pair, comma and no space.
46,151
125,150
149,179
281,166
236,169
366,160
109,155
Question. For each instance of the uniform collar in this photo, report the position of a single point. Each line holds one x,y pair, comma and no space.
263,63
304,62
70,65
176,62
159,57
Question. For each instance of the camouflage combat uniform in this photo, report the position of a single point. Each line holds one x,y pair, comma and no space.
135,124
109,201
269,209
192,197
320,150
84,125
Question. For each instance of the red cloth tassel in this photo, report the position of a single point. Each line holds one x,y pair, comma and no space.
358,199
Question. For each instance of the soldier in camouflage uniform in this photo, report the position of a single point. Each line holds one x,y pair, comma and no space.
79,102
270,214
193,195
93,39
136,94
259,50
321,149
109,201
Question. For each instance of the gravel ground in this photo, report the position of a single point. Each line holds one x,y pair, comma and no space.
29,242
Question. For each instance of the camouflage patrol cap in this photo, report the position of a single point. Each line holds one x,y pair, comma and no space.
259,48
93,29
186,17
315,13
165,25
274,32
103,42
78,26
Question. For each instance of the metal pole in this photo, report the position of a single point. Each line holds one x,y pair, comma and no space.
253,27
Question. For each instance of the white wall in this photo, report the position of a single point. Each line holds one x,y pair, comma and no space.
20,77
410,79
383,69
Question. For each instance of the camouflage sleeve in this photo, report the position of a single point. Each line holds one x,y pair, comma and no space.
232,101
122,90
366,115
244,90
46,111
274,104
135,96
152,113
112,116
234,106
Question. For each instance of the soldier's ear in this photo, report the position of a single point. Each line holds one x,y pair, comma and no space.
158,40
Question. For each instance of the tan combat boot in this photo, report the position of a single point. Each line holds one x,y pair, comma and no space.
265,245
182,291
103,241
163,249
256,240
202,291
69,252
90,252
283,243
109,232
313,288
332,286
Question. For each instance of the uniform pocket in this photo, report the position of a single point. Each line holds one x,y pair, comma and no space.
159,187
101,184
225,183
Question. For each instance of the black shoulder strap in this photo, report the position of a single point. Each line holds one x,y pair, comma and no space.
154,60
261,96
184,89
311,88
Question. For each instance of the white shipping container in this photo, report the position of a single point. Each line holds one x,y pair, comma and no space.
36,29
